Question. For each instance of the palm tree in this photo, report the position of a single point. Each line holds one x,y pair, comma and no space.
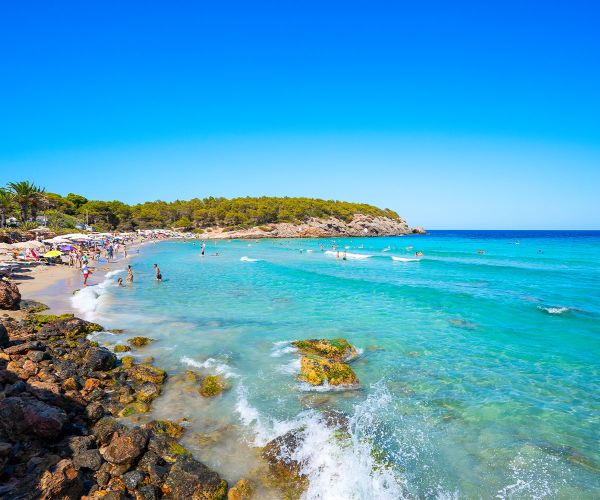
6,204
28,196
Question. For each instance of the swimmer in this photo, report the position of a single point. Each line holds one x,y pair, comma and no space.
157,272
129,274
120,282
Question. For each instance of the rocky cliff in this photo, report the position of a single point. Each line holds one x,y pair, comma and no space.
360,225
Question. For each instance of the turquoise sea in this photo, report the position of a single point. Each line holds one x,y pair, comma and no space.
480,372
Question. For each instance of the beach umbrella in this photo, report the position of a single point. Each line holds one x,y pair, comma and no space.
52,253
67,248
28,244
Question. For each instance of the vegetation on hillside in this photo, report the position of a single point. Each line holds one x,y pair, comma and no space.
25,201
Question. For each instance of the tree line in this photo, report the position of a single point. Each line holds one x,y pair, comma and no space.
27,202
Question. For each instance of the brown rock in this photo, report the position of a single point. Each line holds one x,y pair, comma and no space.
61,481
9,295
243,490
125,446
189,478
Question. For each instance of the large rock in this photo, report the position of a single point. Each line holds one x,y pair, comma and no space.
189,478
19,416
285,470
318,371
212,385
9,295
62,481
100,359
67,326
125,446
336,349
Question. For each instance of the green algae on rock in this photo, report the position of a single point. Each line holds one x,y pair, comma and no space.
121,348
168,427
148,373
317,371
139,341
336,349
212,386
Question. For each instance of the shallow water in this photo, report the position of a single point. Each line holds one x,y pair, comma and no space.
479,372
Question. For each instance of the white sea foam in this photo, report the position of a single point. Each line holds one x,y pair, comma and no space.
291,368
554,310
337,467
354,256
89,299
282,347
110,274
215,366
405,259
248,259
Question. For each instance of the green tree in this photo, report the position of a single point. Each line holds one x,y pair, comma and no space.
28,196
7,203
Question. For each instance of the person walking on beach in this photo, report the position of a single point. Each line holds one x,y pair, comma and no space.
129,274
157,271
86,272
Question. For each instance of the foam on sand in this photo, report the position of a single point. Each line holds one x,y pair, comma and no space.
89,299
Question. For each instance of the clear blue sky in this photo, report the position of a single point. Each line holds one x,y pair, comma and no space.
455,114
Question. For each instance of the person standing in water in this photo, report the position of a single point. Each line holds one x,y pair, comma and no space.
129,274
157,271
203,248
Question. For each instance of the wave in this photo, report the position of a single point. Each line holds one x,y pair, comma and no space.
554,310
248,259
89,299
405,259
339,462
282,347
110,274
215,366
354,256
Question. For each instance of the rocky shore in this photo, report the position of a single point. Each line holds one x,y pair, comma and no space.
360,226
65,403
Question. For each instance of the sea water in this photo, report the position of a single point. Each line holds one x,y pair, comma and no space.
479,361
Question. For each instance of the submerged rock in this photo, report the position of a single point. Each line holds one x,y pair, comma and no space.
167,427
212,385
139,341
336,349
317,371
121,348
243,490
189,478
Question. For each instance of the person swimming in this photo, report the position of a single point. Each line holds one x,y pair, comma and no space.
120,282
158,274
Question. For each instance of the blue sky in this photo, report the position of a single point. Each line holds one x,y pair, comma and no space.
455,114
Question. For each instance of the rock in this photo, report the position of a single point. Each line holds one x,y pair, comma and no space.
212,386
100,359
189,478
105,428
136,407
139,341
70,384
32,306
77,444
121,348
148,392
285,471
243,490
88,459
24,347
20,415
418,230
167,448
132,479
125,446
4,339
65,325
336,349
36,356
147,373
146,492
61,481
9,295
127,362
94,411
317,371
167,427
